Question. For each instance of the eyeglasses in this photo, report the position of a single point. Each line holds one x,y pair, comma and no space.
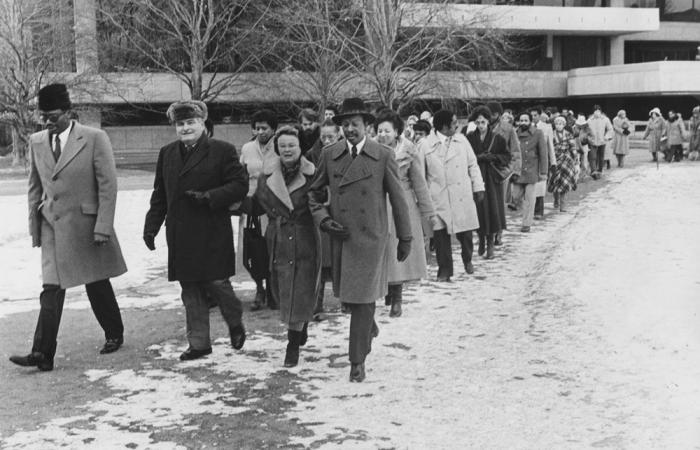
50,117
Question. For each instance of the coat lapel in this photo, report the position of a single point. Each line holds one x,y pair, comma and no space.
197,157
74,145
42,152
359,168
275,180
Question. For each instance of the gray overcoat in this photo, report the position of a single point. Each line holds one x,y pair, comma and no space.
358,196
69,201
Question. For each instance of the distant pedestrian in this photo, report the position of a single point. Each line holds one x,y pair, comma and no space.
455,185
622,128
694,132
72,200
563,176
421,130
533,147
656,133
361,175
600,134
420,208
309,124
580,133
292,238
675,131
196,180
493,158
541,120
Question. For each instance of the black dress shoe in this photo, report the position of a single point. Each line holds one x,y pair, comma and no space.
469,268
237,336
34,359
357,372
498,240
191,354
111,345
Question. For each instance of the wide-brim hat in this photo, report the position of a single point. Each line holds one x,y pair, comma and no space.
353,106
655,110
54,96
580,121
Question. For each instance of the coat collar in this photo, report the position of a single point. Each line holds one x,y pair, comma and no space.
433,143
199,154
370,149
74,145
275,180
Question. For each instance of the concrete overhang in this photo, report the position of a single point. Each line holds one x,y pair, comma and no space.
653,78
595,21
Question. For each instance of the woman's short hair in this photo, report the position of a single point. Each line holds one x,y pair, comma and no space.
422,125
483,111
264,115
286,130
392,117
442,119
560,119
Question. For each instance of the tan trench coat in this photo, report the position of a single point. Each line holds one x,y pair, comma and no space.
358,189
453,175
69,201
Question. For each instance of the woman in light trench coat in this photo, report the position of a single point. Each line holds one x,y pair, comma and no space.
420,206
656,129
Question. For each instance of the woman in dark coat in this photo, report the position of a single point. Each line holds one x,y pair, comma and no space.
491,153
292,238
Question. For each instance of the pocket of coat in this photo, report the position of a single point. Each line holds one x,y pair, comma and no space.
89,208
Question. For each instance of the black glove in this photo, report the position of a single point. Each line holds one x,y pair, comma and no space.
149,239
335,229
403,249
514,178
200,198
479,196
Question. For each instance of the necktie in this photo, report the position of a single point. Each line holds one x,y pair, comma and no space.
354,152
57,149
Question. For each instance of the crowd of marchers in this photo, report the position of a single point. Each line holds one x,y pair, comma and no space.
354,197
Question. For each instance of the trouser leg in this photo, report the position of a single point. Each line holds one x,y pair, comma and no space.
229,304
443,252
104,306
466,241
51,304
593,159
196,314
601,158
539,206
361,326
517,192
528,204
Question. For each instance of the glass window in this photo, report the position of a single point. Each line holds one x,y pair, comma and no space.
648,51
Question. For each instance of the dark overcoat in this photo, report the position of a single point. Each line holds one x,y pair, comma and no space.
200,237
293,240
489,152
358,190
69,201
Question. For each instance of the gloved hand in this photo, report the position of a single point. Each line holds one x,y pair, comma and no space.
335,229
201,198
479,196
403,249
149,239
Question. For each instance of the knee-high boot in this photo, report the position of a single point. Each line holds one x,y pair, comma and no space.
291,358
489,246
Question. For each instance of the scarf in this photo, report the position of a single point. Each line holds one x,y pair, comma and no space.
289,173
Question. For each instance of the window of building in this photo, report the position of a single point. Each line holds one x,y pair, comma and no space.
584,51
648,51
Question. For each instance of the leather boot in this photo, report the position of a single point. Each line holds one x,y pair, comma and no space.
291,357
556,200
388,297
304,334
259,302
562,204
318,309
396,300
482,248
271,300
498,240
489,246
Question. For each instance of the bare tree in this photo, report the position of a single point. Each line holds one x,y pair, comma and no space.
206,44
314,50
36,41
407,59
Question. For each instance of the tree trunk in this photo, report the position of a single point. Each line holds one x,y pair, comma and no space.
19,150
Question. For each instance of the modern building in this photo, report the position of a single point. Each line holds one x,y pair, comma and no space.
622,54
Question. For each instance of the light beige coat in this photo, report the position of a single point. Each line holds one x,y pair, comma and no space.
71,200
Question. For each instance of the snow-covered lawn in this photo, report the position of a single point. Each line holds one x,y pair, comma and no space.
583,333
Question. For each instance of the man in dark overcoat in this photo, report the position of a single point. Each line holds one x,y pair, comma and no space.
197,179
360,173
72,199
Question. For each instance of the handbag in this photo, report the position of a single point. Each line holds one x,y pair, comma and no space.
256,259
500,174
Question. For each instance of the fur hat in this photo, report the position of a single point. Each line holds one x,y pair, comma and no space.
187,109
54,96
353,107
580,120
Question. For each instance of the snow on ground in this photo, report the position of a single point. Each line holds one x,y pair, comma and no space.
580,334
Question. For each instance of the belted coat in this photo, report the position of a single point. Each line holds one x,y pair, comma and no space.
70,200
200,237
358,194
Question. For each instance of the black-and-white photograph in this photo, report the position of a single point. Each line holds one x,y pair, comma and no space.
350,224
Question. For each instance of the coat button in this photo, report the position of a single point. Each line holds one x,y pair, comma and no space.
291,262
290,238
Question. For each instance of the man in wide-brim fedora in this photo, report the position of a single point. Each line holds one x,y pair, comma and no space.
72,199
360,174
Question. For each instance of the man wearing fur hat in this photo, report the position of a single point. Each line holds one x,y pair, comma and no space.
197,179
72,199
